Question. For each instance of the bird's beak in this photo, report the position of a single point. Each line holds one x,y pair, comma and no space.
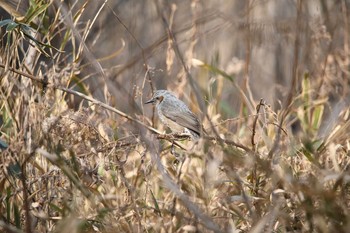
150,101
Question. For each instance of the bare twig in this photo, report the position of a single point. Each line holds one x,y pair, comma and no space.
229,142
26,203
255,121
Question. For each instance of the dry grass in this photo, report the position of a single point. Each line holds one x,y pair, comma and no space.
80,153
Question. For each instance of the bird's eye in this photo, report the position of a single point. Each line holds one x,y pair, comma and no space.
159,99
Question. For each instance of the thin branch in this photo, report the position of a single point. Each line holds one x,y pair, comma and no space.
255,121
229,142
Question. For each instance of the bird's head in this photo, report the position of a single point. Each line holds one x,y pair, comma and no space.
158,97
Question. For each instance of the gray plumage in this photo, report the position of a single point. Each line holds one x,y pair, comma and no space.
175,114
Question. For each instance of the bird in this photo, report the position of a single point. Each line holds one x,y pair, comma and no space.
175,114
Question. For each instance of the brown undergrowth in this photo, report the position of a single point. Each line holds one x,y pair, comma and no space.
76,158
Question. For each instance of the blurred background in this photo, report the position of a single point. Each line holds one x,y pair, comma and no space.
262,45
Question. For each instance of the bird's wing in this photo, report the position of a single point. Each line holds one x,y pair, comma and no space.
184,118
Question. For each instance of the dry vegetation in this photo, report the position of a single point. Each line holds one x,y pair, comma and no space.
80,152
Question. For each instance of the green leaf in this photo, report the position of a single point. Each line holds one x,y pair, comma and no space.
8,203
5,22
213,69
26,30
14,170
306,89
3,145
56,208
17,216
11,25
317,117
308,150
35,10
156,206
